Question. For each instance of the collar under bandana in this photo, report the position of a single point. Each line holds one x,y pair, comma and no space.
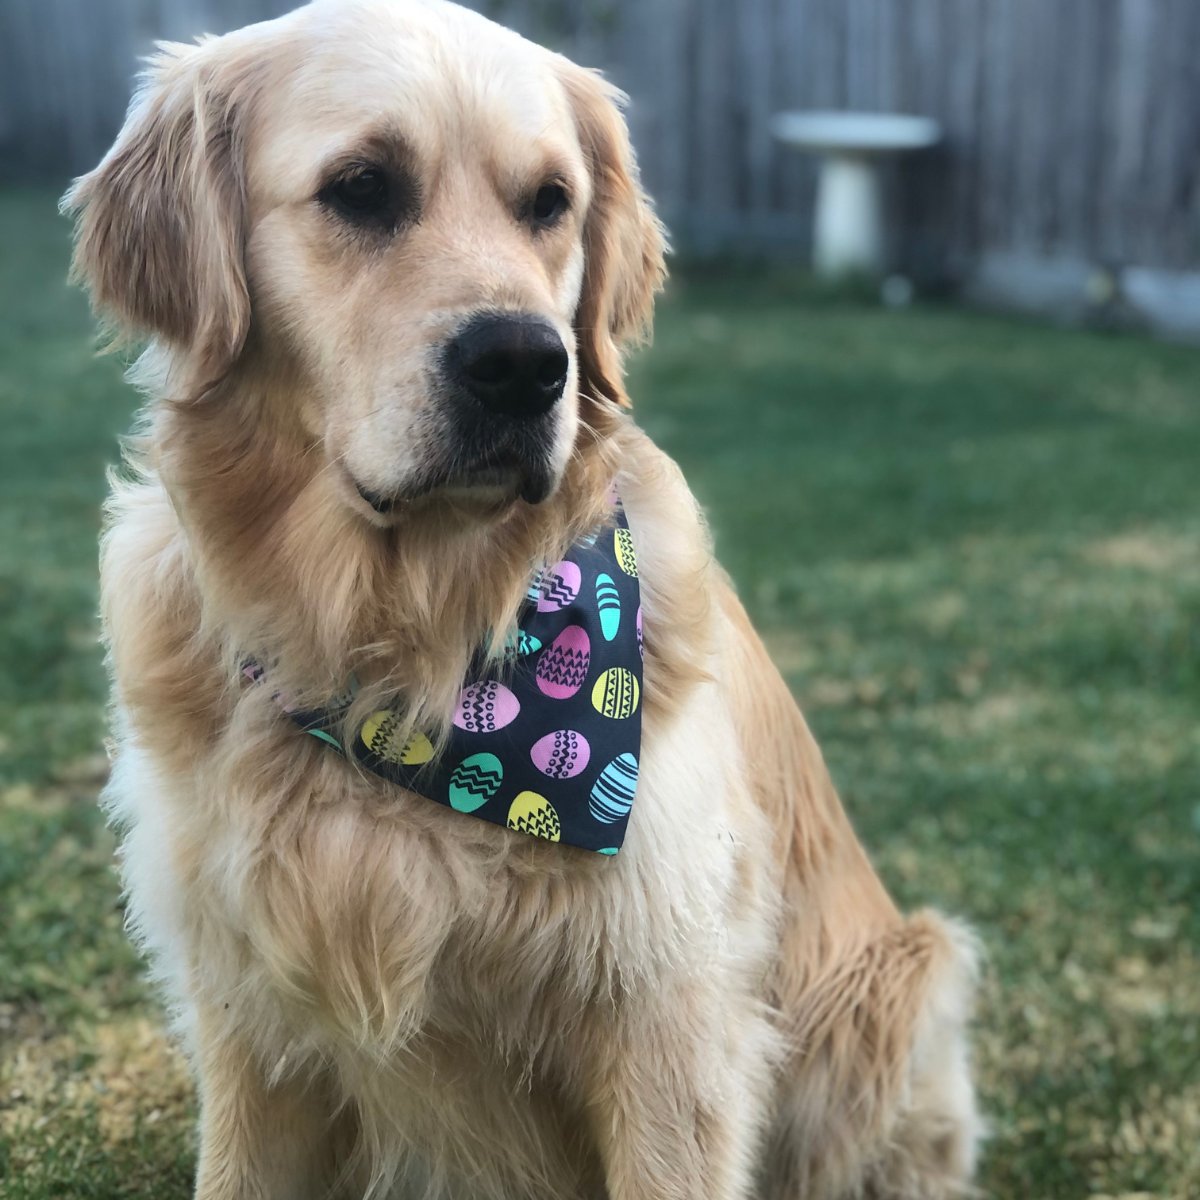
547,742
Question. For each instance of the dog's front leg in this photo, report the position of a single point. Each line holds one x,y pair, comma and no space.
259,1141
679,1095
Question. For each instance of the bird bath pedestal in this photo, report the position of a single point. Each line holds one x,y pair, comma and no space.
848,230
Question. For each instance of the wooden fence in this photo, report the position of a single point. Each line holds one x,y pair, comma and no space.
1073,126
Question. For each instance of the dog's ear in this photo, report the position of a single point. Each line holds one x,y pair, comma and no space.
623,240
159,223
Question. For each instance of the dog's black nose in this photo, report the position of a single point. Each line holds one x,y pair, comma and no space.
512,364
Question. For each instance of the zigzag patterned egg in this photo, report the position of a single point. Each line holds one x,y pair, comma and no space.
623,545
562,669
608,604
612,793
475,781
560,586
616,693
485,707
381,734
561,754
534,814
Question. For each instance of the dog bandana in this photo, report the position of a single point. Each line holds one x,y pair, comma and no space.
546,741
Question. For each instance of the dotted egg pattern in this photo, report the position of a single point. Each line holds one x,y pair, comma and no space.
561,754
485,707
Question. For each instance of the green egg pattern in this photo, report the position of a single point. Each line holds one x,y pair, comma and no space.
475,781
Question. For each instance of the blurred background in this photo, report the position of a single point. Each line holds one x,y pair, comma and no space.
937,387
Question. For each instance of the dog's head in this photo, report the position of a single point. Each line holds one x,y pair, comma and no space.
425,233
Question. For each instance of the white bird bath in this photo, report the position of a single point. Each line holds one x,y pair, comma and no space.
848,230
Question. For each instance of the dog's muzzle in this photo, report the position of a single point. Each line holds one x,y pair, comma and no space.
503,376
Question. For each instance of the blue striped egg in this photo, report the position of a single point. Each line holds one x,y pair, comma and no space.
608,604
475,781
612,793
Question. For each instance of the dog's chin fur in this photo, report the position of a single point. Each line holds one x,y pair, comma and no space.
378,993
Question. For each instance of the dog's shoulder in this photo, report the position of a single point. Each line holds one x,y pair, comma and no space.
166,670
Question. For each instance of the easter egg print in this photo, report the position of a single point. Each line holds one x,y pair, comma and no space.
534,814
608,603
612,793
561,754
562,669
560,586
615,693
485,707
519,644
475,781
527,643
381,734
535,585
626,558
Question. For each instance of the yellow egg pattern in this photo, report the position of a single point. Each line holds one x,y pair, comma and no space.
626,558
615,693
534,814
381,735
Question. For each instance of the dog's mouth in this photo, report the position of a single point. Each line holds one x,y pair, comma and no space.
495,480
383,505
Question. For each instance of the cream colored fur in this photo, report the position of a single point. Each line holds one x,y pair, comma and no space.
381,995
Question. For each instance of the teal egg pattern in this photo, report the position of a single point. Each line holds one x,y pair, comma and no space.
521,643
475,781
608,604
612,793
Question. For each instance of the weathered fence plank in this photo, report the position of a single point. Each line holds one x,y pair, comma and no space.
1073,126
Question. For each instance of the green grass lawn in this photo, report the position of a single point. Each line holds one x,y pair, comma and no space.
973,546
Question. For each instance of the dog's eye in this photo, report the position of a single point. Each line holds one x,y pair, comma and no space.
373,199
363,194
549,204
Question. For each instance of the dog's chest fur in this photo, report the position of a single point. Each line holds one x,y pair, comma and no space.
454,978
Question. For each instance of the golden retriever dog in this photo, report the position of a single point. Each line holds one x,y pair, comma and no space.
386,256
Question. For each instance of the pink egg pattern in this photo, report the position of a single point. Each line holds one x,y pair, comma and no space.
562,669
559,587
561,754
485,707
